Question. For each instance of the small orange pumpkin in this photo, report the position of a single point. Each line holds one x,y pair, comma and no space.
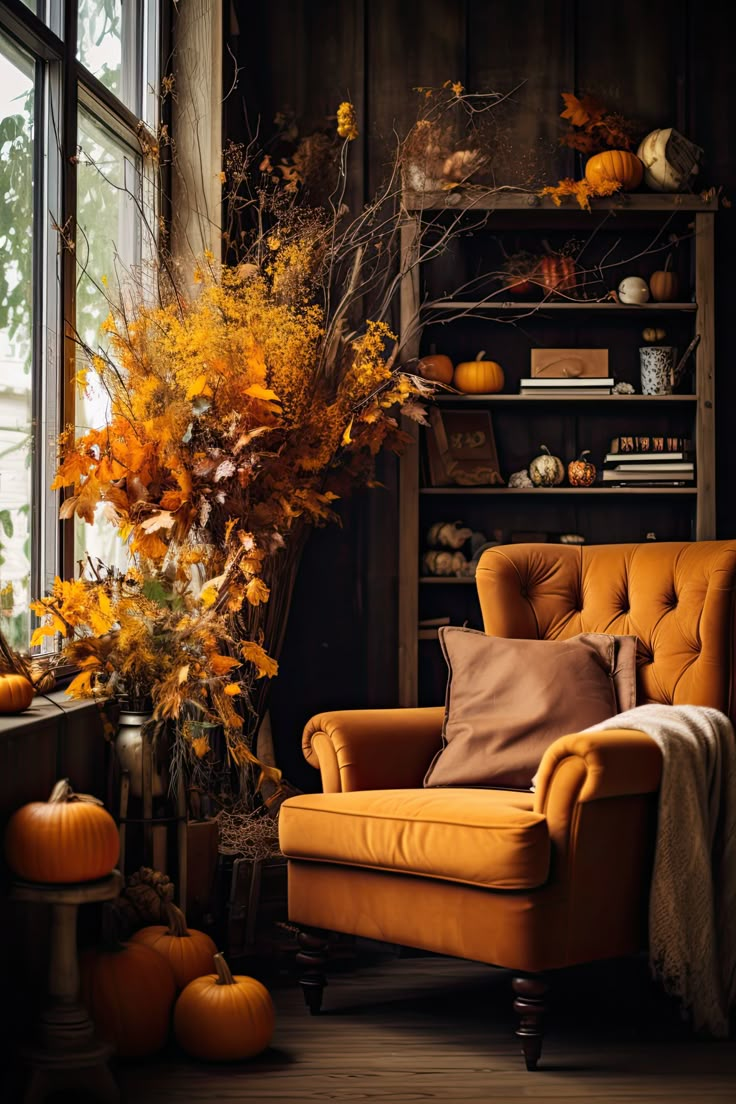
16,693
69,838
479,376
581,472
664,286
188,951
436,367
619,166
128,990
222,1018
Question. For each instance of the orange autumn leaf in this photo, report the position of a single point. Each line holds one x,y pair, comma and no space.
221,664
200,746
256,592
232,689
581,112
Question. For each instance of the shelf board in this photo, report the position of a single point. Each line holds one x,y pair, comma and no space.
530,307
484,199
549,492
447,579
446,399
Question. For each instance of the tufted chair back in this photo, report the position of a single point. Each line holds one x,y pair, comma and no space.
677,598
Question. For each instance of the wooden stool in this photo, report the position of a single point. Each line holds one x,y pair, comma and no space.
66,1054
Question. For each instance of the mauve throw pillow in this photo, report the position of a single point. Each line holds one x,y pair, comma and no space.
508,700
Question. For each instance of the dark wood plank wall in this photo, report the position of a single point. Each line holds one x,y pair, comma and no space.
663,62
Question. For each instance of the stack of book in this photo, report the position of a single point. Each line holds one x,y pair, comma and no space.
671,468
553,385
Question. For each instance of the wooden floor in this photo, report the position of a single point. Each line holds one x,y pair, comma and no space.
425,1028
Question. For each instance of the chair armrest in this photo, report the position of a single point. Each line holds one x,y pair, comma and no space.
373,749
589,766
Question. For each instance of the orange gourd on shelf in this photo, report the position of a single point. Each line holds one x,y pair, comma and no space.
189,952
224,1018
580,472
557,273
619,166
69,838
479,376
436,367
16,693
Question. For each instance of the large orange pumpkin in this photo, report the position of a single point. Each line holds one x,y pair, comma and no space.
16,693
479,376
189,952
128,990
69,838
222,1018
619,166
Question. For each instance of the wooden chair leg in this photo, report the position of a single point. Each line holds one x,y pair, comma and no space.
312,961
530,1006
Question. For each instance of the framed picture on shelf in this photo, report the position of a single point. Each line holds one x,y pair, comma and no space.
461,449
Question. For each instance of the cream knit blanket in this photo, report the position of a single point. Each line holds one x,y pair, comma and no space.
692,905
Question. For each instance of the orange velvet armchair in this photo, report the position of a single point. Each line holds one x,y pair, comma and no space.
533,882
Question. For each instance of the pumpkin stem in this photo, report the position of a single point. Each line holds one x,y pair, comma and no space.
668,262
583,454
63,791
543,448
177,921
224,976
480,355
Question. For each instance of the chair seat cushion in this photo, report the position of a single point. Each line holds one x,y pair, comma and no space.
489,838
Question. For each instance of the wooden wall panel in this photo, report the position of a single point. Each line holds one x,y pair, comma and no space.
527,46
628,54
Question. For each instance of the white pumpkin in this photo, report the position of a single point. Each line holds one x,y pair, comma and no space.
669,160
633,290
546,470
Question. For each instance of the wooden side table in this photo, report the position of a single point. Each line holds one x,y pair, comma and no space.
66,1054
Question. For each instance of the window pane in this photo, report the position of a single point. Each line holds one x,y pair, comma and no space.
100,42
16,286
109,242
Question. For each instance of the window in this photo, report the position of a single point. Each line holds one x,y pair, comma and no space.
78,78
16,324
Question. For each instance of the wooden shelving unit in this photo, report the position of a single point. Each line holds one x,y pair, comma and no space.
519,214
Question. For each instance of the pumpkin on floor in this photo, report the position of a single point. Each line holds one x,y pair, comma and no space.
16,693
189,952
69,838
128,990
479,376
224,1018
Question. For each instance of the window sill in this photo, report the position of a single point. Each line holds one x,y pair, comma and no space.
44,708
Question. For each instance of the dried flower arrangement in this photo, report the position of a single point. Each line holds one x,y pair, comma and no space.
245,398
